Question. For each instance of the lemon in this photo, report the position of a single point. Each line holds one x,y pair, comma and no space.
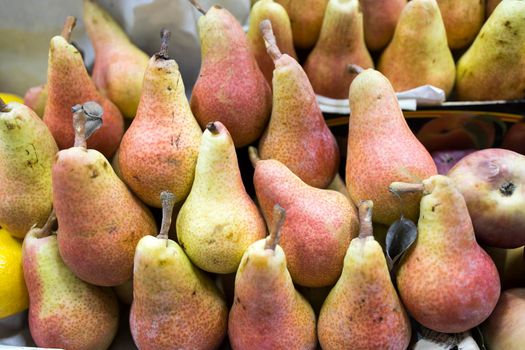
13,291
7,97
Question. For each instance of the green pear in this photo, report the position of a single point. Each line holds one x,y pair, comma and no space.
462,20
27,149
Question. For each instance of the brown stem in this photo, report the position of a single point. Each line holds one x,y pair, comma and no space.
79,124
3,106
168,202
212,128
198,6
365,219
68,27
269,40
253,153
404,187
164,41
354,68
279,214
48,226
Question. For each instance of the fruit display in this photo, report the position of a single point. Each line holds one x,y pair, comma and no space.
232,215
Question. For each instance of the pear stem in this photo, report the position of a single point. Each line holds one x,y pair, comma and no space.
269,40
404,187
365,219
79,124
168,202
164,41
279,214
212,128
3,105
198,6
68,27
354,69
253,153
46,229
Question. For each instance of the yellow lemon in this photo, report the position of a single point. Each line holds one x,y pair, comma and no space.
7,97
13,291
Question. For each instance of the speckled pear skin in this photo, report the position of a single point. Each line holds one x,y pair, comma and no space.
447,282
159,150
96,242
418,53
175,306
230,88
218,220
493,66
340,43
267,309
69,84
119,65
297,134
319,223
462,20
380,18
27,149
363,310
64,311
269,9
384,153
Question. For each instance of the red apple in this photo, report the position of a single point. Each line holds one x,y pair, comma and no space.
514,139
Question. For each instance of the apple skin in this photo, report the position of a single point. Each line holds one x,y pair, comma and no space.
505,327
492,181
445,160
514,139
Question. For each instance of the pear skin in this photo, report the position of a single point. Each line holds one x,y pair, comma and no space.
35,98
462,20
297,134
340,43
382,149
491,6
418,53
119,65
319,225
379,19
269,9
64,311
230,88
218,220
363,310
447,282
27,149
493,68
159,150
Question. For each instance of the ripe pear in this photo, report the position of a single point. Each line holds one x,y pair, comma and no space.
218,220
363,310
306,17
267,310
175,305
340,43
418,53
27,149
119,65
35,98
159,150
510,264
64,311
231,88
462,20
68,84
379,19
382,149
297,134
493,68
319,226
97,244
447,282
490,6
269,9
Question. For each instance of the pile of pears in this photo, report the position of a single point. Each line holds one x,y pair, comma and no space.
169,216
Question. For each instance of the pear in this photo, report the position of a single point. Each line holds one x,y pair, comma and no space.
447,282
297,134
218,220
230,88
363,310
267,310
68,84
418,53
510,265
269,9
382,149
490,6
340,43
97,244
27,149
319,226
119,65
379,20
159,150
175,305
35,98
64,311
462,20
493,68
306,17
